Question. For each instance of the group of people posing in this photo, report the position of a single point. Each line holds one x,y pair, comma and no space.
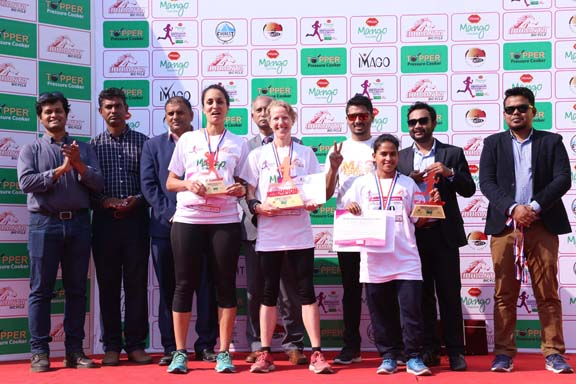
196,199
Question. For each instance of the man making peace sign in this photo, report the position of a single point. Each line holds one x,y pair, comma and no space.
345,162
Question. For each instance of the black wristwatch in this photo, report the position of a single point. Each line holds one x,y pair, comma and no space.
252,205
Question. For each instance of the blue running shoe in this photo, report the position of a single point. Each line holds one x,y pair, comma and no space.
502,363
224,363
179,363
417,367
556,363
388,366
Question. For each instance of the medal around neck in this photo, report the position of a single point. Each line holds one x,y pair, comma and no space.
428,209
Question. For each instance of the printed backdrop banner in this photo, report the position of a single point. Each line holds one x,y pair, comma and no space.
314,55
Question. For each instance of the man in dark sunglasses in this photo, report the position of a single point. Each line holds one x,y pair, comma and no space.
524,173
58,174
439,240
344,162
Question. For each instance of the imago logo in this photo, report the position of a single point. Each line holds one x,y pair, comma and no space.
476,117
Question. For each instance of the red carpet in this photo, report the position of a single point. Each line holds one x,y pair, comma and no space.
529,369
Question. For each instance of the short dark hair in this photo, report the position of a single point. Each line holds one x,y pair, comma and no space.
219,88
179,100
520,91
111,93
359,100
385,137
51,98
422,105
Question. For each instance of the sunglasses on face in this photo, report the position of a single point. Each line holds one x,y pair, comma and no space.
49,95
360,116
522,108
421,121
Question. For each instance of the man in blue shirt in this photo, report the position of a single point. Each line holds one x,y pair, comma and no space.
58,174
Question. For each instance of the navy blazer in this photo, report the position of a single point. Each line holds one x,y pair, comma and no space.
156,156
551,179
462,184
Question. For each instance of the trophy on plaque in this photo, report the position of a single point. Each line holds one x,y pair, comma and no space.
429,209
215,185
285,194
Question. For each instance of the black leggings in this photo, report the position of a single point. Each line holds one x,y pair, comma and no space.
300,262
221,242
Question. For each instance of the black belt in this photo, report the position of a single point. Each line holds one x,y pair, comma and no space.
65,215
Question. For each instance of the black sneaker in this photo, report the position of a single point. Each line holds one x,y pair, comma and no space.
166,359
457,362
431,359
40,362
78,360
206,355
347,357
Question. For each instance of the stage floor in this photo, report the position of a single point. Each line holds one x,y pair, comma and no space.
529,369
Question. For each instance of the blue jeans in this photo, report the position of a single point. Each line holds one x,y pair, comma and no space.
207,321
51,242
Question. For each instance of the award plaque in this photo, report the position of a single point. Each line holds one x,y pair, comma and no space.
429,209
213,182
285,194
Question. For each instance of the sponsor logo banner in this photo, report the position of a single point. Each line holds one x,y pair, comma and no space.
379,89
237,89
64,45
475,26
540,83
332,90
137,91
14,298
18,76
528,334
14,261
274,62
373,29
162,90
527,26
565,54
17,38
237,121
126,34
324,216
476,270
322,30
478,118
424,58
565,84
67,13
73,81
428,88
124,9
14,336
477,300
327,271
565,115
228,62
11,142
19,9
475,87
14,223
568,298
419,28
567,268
17,113
472,144
565,24
275,32
527,56
175,34
473,209
131,64
178,63
329,299
323,61
231,32
10,192
321,146
175,8
373,60
323,121
475,57
279,88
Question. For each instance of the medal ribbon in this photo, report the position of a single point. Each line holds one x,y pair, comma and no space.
277,158
381,195
521,260
217,145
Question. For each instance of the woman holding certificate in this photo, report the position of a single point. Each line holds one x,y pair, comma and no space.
392,277
204,170
284,229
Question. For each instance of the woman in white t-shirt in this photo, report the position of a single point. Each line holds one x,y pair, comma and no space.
204,170
392,278
284,235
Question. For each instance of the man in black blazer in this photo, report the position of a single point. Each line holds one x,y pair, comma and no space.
438,241
524,173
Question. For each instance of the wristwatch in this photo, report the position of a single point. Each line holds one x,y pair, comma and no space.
252,203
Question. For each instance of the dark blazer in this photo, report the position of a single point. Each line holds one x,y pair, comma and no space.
551,179
156,156
462,184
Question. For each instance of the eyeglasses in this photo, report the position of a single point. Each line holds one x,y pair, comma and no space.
360,116
50,95
522,108
421,121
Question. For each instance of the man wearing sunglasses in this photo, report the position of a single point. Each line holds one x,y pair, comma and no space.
58,174
524,173
439,240
345,162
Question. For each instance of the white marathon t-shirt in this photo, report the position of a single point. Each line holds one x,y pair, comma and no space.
404,262
358,161
189,160
292,229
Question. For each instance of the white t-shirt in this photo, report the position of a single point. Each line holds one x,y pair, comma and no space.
404,262
189,160
357,161
292,229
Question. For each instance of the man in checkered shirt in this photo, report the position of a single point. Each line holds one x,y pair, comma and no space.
120,242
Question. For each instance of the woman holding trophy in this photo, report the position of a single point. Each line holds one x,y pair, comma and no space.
274,174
